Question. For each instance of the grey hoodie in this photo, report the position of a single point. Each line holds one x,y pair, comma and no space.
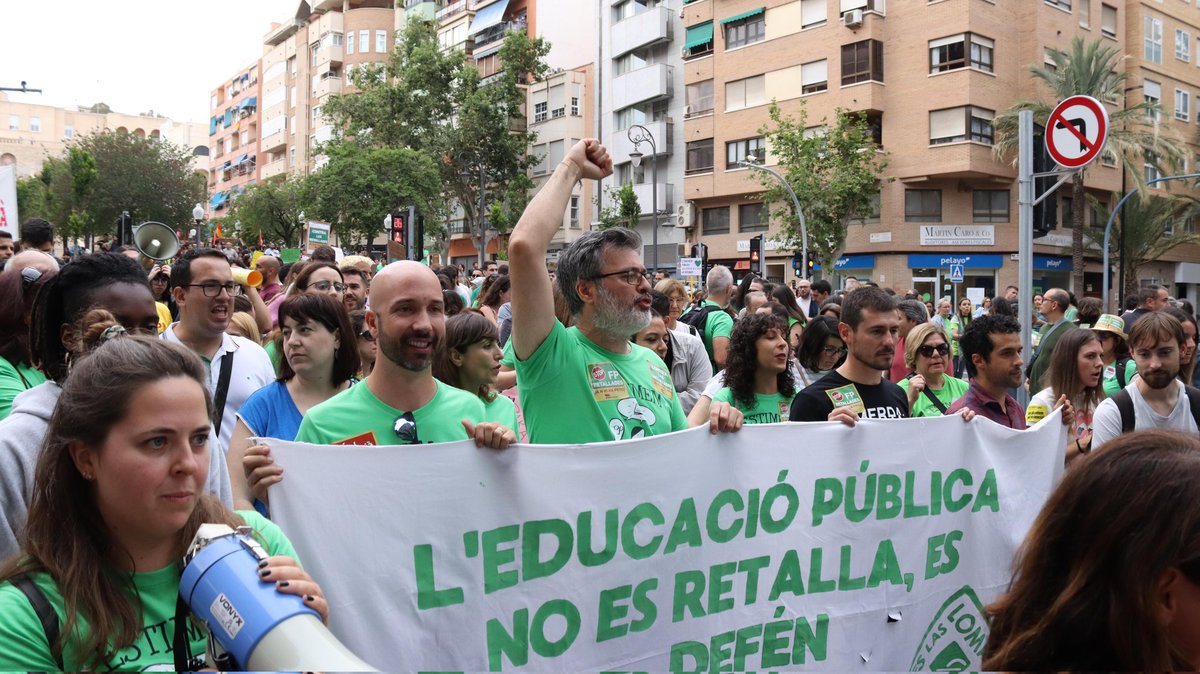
21,436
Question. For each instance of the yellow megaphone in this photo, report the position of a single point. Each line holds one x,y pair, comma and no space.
247,277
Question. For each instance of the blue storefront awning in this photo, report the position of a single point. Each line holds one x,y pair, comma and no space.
852,262
1051,263
944,261
743,15
489,16
698,35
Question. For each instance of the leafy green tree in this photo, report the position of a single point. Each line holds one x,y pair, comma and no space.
433,101
834,170
1153,226
272,209
623,211
1093,69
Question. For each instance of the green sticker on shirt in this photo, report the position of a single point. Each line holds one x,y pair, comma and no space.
847,396
607,382
661,379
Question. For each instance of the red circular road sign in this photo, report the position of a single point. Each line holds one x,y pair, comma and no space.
1076,131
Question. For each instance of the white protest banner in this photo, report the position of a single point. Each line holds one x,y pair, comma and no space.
779,547
9,218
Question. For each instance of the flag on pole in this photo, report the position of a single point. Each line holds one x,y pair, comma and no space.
217,233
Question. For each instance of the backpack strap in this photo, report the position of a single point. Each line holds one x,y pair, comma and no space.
1124,404
1193,395
41,606
1122,368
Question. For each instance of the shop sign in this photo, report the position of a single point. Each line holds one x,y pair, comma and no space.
958,235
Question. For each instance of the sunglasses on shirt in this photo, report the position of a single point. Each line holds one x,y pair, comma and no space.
405,428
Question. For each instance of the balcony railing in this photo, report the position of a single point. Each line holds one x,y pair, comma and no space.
451,9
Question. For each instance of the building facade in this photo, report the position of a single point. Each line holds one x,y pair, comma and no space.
233,138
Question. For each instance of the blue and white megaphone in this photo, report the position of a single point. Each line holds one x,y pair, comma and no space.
248,620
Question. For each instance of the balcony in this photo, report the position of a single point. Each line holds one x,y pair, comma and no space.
329,55
645,197
650,27
274,141
327,86
644,84
452,9
662,130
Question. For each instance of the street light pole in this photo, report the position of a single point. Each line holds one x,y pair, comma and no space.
795,204
639,134
198,216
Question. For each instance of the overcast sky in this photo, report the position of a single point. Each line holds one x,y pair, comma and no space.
134,55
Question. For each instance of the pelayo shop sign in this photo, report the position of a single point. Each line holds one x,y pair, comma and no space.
958,235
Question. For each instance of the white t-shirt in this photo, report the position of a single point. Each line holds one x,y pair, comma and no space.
1107,422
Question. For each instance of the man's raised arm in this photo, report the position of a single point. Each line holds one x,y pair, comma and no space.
532,298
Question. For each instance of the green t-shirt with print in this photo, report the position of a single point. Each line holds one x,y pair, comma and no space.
356,417
23,645
574,391
718,324
952,389
768,408
1111,383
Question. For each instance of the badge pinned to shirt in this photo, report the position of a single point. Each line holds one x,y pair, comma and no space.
847,396
607,382
661,380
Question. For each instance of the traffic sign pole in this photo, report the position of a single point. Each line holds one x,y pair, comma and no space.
1025,198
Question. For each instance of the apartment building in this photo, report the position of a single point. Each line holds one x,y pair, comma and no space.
641,70
1164,66
930,76
233,138
31,133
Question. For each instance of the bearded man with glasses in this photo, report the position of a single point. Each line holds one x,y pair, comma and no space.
588,383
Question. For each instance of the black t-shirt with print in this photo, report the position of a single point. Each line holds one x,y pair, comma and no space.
885,400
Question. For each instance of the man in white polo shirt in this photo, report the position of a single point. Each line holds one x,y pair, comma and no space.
203,286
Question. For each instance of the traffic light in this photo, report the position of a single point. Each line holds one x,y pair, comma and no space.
1045,213
397,233
756,255
124,229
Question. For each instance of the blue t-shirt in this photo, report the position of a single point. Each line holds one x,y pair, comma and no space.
270,412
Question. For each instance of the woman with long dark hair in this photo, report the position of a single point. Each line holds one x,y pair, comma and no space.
494,297
1075,372
118,496
1108,578
1187,353
757,379
17,373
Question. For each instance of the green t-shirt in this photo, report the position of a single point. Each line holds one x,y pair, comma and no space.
501,409
574,391
768,408
1110,382
952,389
718,324
507,359
275,356
23,645
356,417
14,380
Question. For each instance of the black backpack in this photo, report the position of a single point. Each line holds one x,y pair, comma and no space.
698,318
1122,368
1124,404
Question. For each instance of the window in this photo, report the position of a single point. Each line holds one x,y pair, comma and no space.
745,93
700,98
350,43
814,77
316,114
753,217
381,42
746,31
923,205
873,211
275,71
574,106
35,123
1150,168
700,156
862,62
750,149
14,123
634,60
1183,45
543,165
557,152
1108,158
960,51
642,113
574,221
1108,21
715,220
812,12
1152,30
990,205
1061,4
68,131
1085,13
364,41
699,40
539,112
630,8
634,175
1183,101
955,125
313,51
1152,93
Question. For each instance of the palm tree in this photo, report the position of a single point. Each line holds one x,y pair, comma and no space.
1153,226
1094,69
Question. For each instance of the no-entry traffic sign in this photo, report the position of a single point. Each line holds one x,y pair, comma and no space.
1076,131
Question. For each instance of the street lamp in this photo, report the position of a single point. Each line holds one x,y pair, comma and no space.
198,216
639,134
795,203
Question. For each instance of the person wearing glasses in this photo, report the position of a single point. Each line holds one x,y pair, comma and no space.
320,277
930,391
400,402
1054,305
320,360
609,387
821,350
367,349
203,286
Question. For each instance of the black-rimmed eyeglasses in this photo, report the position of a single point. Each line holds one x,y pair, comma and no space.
631,276
213,289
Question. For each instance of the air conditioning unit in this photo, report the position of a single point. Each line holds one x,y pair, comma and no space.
685,215
853,18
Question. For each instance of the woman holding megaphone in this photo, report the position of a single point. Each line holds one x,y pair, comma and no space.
118,496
